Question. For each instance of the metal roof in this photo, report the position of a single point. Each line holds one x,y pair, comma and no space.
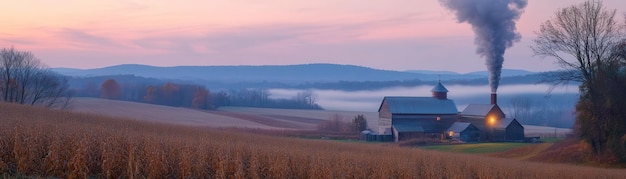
459,126
419,105
408,126
505,122
439,88
477,109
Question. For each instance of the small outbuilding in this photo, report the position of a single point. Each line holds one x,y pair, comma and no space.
463,131
508,129
483,116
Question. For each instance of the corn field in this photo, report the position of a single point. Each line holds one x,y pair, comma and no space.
37,142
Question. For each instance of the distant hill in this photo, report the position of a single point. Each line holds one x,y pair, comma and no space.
477,74
505,73
433,72
289,74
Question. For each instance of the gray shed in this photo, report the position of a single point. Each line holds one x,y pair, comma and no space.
508,129
463,131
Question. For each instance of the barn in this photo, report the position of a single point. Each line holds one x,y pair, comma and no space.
437,117
410,117
463,131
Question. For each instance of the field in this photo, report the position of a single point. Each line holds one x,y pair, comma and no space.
225,117
39,142
243,117
476,148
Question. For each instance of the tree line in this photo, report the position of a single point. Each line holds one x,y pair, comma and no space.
195,96
25,80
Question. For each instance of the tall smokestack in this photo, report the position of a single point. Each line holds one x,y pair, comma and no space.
493,22
494,98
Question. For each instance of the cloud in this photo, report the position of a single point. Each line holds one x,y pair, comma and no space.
256,37
17,41
84,39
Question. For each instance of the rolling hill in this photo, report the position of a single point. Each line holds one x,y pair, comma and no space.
290,74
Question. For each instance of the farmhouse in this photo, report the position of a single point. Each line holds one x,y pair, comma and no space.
437,117
409,117
483,116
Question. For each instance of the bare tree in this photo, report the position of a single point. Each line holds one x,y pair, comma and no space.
586,39
579,37
521,108
25,80
307,97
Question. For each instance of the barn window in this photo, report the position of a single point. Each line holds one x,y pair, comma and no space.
438,118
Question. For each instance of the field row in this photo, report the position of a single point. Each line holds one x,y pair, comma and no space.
40,142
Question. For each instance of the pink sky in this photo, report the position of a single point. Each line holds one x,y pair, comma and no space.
390,34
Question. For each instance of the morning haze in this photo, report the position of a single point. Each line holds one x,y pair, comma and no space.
307,89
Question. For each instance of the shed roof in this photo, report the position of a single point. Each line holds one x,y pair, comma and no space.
439,88
505,122
419,105
477,109
408,126
459,126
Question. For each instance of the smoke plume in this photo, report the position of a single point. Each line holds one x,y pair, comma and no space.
493,22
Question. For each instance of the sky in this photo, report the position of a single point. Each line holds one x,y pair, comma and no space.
389,34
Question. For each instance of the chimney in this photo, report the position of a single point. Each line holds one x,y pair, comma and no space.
494,98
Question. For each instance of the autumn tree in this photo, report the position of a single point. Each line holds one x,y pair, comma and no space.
110,89
171,95
201,99
151,95
585,39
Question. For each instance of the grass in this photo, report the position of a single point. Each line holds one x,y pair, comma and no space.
478,148
38,142
552,139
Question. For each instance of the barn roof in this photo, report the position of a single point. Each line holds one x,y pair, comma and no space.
439,88
505,122
408,126
459,126
477,109
419,105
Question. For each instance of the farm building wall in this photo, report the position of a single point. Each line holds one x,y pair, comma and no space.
479,122
483,123
515,131
429,123
471,134
384,119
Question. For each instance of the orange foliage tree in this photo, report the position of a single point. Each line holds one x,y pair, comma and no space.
171,94
201,99
110,89
151,95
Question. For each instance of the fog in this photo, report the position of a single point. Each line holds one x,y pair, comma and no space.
554,109
369,101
